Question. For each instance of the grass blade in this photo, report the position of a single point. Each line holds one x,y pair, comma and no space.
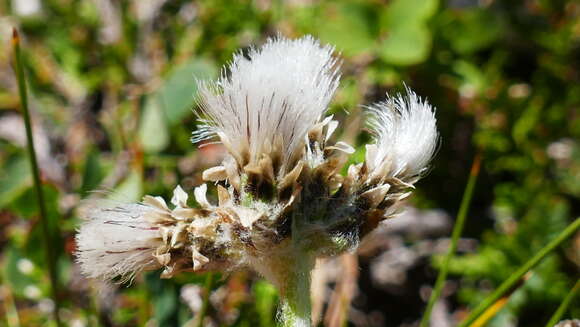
564,305
518,274
49,251
457,230
488,314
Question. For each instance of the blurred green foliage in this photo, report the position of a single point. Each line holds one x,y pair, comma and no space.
112,87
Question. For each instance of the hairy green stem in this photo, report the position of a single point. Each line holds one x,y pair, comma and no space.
49,251
295,308
518,274
457,230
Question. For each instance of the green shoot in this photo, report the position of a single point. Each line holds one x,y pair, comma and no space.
457,230
518,274
564,305
49,251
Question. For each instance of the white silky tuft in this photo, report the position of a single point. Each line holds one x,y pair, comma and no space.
271,98
405,133
116,242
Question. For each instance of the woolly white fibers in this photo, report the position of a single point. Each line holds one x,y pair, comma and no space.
270,99
405,134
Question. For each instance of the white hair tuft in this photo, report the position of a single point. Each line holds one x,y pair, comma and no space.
405,134
271,98
116,241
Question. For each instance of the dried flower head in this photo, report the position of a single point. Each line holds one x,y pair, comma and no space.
405,133
270,100
282,200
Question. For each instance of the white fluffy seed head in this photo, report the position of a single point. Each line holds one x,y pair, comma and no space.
116,241
271,98
405,134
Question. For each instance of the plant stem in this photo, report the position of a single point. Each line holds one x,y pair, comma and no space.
296,306
457,230
49,251
518,274
564,305
208,286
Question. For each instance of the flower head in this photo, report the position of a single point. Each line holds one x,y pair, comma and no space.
117,241
269,100
281,196
405,136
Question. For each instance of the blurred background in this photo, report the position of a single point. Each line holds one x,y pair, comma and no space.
112,87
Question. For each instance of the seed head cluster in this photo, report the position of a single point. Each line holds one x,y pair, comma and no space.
279,188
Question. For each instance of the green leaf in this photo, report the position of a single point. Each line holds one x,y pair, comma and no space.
130,190
165,299
472,30
153,131
178,93
93,173
472,76
406,45
349,26
527,122
409,12
16,180
165,305
408,40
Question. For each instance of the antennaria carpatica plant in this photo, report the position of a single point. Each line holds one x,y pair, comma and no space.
282,201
